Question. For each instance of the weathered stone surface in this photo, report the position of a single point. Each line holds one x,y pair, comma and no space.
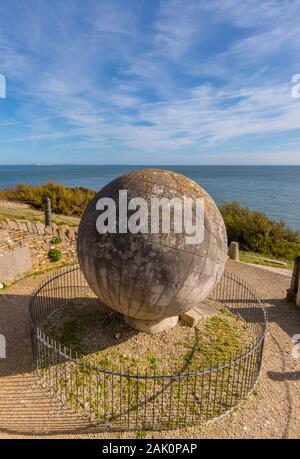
233,251
19,224
152,276
24,226
55,230
14,263
200,312
62,231
191,317
48,230
70,233
4,240
206,309
15,224
29,226
152,326
5,222
23,233
40,228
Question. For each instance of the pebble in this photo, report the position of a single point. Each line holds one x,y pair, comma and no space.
118,335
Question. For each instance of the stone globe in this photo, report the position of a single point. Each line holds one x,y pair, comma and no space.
151,275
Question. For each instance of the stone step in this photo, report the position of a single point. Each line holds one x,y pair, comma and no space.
203,311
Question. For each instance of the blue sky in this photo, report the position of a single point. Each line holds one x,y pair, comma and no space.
147,81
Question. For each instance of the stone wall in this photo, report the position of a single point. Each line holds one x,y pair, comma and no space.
35,241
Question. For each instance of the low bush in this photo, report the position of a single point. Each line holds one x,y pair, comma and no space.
54,254
256,232
55,240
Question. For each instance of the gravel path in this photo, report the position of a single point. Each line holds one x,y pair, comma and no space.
283,271
27,410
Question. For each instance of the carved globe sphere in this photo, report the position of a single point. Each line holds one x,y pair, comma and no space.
148,275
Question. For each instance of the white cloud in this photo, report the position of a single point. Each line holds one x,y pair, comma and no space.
104,76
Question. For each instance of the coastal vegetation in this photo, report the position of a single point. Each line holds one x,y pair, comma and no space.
256,232
253,230
64,200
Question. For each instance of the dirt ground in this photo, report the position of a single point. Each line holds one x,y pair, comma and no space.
273,411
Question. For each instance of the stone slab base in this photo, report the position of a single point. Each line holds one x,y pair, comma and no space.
152,326
13,263
201,312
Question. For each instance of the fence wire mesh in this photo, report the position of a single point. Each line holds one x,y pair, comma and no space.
140,400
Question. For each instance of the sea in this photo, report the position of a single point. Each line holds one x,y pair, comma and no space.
274,190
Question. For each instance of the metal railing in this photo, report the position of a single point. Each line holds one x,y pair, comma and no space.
133,399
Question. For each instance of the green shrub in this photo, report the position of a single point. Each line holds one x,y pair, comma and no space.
55,240
256,232
54,254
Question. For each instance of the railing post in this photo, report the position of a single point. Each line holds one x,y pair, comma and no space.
233,251
48,212
298,294
292,291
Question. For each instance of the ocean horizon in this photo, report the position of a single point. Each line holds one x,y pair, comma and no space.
274,189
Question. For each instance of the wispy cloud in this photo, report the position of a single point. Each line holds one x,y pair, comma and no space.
170,79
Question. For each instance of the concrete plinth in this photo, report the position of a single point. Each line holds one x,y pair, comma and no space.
233,251
151,326
201,312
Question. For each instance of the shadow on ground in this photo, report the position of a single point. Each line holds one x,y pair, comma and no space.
28,409
287,375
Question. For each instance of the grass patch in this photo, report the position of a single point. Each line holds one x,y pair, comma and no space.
258,259
89,328
85,323
32,215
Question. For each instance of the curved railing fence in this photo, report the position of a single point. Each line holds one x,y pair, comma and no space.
129,398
